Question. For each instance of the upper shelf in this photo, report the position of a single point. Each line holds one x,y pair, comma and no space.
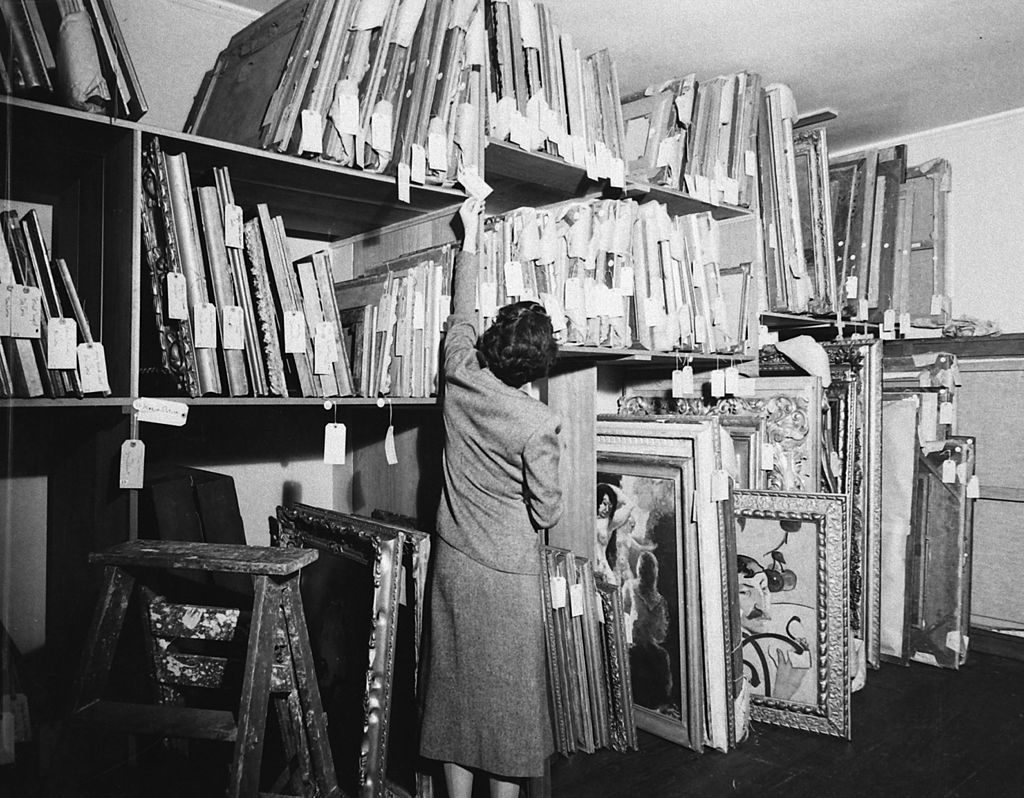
519,177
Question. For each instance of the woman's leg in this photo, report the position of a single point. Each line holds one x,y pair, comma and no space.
460,780
504,789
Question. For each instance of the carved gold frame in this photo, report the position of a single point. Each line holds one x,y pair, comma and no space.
615,653
379,547
830,714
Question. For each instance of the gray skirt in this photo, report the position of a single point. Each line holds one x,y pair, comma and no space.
485,693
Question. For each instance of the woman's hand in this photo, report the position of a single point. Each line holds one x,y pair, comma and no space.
470,212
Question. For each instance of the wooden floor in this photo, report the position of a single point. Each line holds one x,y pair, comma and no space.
917,731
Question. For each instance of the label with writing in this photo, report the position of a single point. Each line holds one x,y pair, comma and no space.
311,138
234,327
559,589
177,296
575,600
92,368
948,471
418,165
204,326
682,382
61,343
334,444
233,227
26,312
133,464
6,304
294,332
160,411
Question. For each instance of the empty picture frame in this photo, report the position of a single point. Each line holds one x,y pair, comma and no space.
810,151
619,686
351,601
793,585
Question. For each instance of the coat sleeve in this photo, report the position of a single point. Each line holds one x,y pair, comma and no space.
541,476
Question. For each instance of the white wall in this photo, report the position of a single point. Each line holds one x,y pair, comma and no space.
986,212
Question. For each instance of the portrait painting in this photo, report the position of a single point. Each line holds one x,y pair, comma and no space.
793,595
645,546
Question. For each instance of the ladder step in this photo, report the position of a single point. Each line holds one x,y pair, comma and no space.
160,720
217,557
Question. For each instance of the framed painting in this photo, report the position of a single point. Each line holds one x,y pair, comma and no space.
653,495
351,598
793,594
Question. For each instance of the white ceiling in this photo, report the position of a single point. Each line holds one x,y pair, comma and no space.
886,67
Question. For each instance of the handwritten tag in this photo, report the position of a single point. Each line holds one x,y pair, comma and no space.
381,135
559,588
311,138
946,413
345,110
437,151
575,600
514,278
177,296
418,165
204,326
862,310
294,332
389,446
233,236
6,306
334,444
948,471
325,352
92,368
234,327
133,464
719,485
718,382
402,179
61,342
475,185
160,411
26,312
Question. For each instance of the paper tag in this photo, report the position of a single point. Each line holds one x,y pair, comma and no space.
904,323
732,378
325,351
334,444
380,128
233,334
682,382
233,227
558,592
862,310
953,641
312,135
730,191
474,184
599,605
514,278
750,164
973,488
92,368
576,600
617,173
294,332
719,485
133,464
437,151
61,343
851,287
718,383
26,312
402,179
6,304
767,457
961,473
946,413
889,320
418,165
389,446
345,111
948,471
177,296
204,326
160,411
936,309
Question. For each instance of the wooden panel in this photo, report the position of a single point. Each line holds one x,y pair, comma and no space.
220,557
998,564
990,406
572,395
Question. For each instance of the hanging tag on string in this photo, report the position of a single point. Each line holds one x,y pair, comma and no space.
26,312
600,610
946,413
719,485
311,138
732,379
558,592
973,488
418,165
6,305
389,446
948,471
851,287
718,383
177,296
133,464
334,444
403,179
575,600
682,382
61,342
160,411
234,327
204,326
294,332
889,320
92,368
233,226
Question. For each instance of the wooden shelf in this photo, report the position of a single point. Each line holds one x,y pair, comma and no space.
679,203
299,401
796,321
571,352
88,401
520,178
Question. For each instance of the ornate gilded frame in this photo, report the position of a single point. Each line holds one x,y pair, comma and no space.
379,547
615,653
567,709
619,436
829,711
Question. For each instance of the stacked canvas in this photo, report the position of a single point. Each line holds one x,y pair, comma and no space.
700,137
373,84
71,50
47,343
615,273
234,314
544,95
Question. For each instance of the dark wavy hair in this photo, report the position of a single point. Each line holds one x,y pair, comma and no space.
520,345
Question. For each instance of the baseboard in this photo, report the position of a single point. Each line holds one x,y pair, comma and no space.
987,641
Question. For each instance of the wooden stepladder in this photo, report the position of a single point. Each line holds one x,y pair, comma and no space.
278,663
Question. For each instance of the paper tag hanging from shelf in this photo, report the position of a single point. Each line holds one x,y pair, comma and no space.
718,383
732,379
418,165
682,382
177,296
948,471
92,368
334,444
946,413
133,464
403,178
311,138
389,446
6,305
61,343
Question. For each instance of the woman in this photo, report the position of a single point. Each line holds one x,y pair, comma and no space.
485,694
